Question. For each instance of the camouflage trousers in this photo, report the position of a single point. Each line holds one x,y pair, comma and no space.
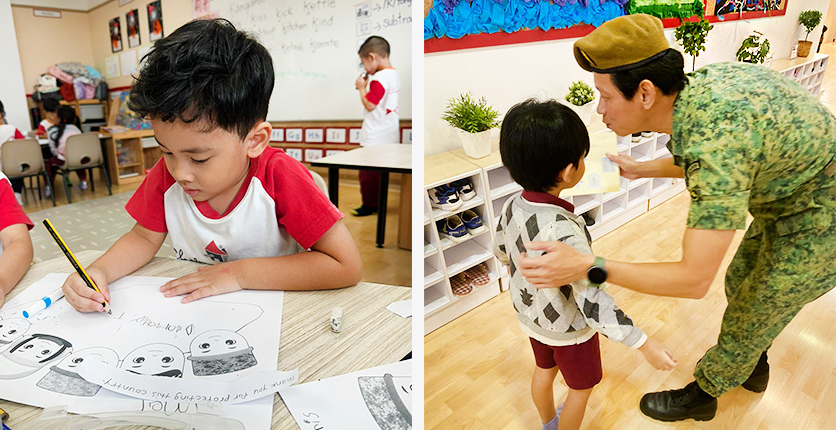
782,264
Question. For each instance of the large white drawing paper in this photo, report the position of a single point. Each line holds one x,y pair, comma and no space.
220,338
372,399
254,386
601,174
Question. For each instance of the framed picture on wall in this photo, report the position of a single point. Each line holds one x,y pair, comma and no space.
132,21
155,20
115,35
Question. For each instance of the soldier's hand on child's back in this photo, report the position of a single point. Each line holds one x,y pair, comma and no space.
207,281
84,298
657,354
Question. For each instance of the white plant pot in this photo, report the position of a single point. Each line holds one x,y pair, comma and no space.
585,111
476,145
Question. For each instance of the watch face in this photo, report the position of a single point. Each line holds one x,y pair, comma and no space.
597,275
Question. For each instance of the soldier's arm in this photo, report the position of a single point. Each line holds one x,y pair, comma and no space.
702,254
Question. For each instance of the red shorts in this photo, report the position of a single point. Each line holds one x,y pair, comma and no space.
580,364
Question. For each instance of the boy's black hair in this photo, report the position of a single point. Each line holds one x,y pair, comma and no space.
375,44
540,139
50,105
2,111
206,71
66,115
666,72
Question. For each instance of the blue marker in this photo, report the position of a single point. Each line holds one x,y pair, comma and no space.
43,303
5,427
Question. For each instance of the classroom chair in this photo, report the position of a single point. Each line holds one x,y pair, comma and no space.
23,159
317,178
83,152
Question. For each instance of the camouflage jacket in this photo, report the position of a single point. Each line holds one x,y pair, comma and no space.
749,139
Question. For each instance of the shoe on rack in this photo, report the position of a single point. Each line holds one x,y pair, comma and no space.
461,285
464,188
473,222
681,404
454,229
637,137
478,275
590,221
363,211
760,376
445,198
83,185
647,134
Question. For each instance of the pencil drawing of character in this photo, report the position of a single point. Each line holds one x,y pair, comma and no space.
11,330
29,355
156,359
216,352
389,400
63,378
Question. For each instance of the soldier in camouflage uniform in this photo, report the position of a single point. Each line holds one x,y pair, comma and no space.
746,139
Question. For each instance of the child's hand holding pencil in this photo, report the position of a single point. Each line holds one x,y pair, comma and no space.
82,297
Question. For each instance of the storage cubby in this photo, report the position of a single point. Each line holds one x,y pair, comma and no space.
809,71
643,151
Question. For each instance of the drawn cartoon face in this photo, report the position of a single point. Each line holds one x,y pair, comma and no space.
29,355
63,378
105,355
215,342
157,359
12,329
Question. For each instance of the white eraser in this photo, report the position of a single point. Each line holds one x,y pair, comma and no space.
337,319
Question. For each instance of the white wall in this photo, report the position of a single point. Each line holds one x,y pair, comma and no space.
506,75
82,5
12,92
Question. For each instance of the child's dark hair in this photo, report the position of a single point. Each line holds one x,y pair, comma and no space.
666,72
2,112
50,105
66,115
206,71
375,44
540,139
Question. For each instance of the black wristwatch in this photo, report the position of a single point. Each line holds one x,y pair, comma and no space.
597,274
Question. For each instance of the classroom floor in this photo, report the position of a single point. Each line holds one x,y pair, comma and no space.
97,220
478,367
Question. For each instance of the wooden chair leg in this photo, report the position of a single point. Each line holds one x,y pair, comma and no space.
90,179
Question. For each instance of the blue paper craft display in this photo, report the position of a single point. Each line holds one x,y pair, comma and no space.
458,18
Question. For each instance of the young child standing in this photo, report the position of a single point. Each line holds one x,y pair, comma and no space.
66,126
543,145
381,123
15,244
225,197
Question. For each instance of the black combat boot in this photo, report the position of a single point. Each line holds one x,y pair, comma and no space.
760,376
677,405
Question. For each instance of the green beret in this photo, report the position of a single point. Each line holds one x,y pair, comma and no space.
621,44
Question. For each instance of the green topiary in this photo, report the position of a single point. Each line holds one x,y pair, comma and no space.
809,19
691,35
580,93
753,50
466,114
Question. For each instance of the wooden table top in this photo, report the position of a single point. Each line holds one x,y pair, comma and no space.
371,335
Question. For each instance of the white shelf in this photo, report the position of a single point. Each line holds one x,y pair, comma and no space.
586,203
505,190
638,182
429,250
446,243
434,299
465,256
614,195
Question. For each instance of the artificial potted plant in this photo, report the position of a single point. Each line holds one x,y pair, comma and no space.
753,49
691,35
809,19
473,121
581,99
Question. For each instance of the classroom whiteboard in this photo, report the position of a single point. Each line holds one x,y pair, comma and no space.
314,46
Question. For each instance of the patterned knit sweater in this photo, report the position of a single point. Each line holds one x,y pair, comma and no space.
560,315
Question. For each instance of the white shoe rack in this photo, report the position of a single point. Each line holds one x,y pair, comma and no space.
494,186
807,71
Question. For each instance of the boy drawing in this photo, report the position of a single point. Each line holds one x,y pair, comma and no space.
543,145
381,123
225,197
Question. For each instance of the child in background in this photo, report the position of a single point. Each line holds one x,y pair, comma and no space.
67,126
223,194
15,243
7,133
51,117
543,145
381,123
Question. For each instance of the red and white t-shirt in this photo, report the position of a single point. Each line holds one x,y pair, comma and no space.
382,124
43,126
278,211
10,212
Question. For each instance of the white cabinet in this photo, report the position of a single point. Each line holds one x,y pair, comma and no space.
809,71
